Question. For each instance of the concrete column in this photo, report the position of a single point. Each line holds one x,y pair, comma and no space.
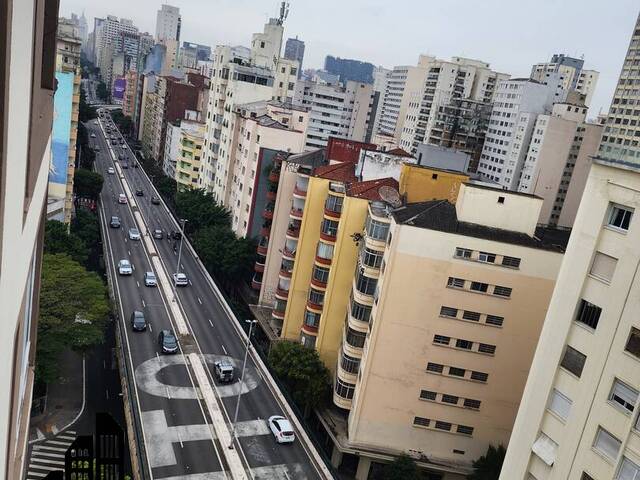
364,465
336,457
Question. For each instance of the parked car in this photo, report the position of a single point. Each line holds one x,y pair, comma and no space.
139,192
150,279
281,429
115,222
111,170
223,371
134,234
158,234
168,341
138,323
180,280
155,200
125,267
122,198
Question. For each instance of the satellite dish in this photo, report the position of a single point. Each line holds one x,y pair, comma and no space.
390,195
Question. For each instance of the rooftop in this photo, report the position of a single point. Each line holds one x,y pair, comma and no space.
370,189
498,188
398,152
311,158
441,215
341,172
617,163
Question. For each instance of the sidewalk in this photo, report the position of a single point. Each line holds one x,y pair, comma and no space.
65,399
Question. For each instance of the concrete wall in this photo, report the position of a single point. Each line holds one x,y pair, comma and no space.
420,184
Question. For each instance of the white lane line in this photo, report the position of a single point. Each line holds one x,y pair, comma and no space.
143,304
129,252
210,322
150,328
199,301
190,283
168,395
224,349
182,266
138,283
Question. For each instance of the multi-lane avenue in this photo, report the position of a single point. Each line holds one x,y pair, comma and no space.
185,415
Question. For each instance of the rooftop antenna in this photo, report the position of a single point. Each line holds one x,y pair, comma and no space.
284,12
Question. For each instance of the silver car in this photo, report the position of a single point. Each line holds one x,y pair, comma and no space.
150,279
134,234
125,267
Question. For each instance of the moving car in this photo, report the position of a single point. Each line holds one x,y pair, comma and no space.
139,192
134,234
180,280
150,279
115,222
155,200
111,171
93,135
124,164
95,122
125,267
158,234
138,323
223,371
177,235
281,429
122,198
124,145
168,341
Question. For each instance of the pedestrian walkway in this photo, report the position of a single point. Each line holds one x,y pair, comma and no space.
48,455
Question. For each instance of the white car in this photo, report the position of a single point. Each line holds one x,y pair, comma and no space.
180,279
122,198
124,145
150,279
111,171
93,135
125,267
281,429
95,122
134,234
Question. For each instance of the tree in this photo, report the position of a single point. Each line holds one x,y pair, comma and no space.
124,122
102,92
167,187
73,312
488,466
87,184
57,239
200,209
300,369
86,227
402,468
85,111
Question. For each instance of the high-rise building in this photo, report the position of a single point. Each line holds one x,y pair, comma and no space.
192,53
82,26
168,23
578,418
294,50
27,67
575,76
348,69
113,36
380,80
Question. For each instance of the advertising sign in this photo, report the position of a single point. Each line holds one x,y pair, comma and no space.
119,85
62,107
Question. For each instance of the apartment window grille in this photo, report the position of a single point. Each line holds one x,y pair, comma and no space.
320,274
349,364
377,230
360,312
623,395
573,361
440,425
502,291
366,285
495,320
464,429
448,312
559,404
428,395
464,344
455,282
486,348
620,217
457,372
421,421
633,342
344,389
473,316
435,367
371,258
471,403
452,399
588,314
479,287
511,262
479,376
311,319
329,227
606,443
355,338
463,253
325,251
441,339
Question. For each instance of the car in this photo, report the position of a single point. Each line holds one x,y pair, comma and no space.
122,198
281,429
139,192
125,267
111,170
122,141
223,371
155,200
158,234
115,222
93,135
168,341
120,157
96,148
138,323
95,122
180,279
113,142
176,235
124,145
124,164
134,234
150,279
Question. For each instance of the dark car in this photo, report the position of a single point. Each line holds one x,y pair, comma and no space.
157,234
168,341
115,222
138,323
125,164
176,235
155,200
139,192
135,164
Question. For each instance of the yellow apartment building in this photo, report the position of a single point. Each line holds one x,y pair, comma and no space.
189,154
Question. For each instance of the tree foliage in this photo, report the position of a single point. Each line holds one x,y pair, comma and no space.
85,111
87,184
57,239
124,122
402,468
73,312
200,209
302,372
488,466
85,226
102,92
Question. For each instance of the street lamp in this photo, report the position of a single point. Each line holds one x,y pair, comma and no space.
244,365
182,222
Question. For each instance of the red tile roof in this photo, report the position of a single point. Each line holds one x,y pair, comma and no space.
369,189
399,153
341,172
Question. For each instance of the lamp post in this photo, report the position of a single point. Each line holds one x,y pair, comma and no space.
182,223
244,365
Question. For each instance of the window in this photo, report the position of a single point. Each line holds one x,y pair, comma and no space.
316,297
546,449
465,430
359,311
366,285
325,251
479,376
329,227
443,425
320,274
606,443
455,282
377,230
427,395
502,291
344,389
441,339
623,395
500,199
487,257
559,404
349,364
334,203
633,343
473,404
456,372
494,320
628,470
510,262
474,316
464,344
452,399
311,319
603,266
371,258
486,348
434,367
448,312
421,421
573,361
479,287
620,217
355,338
463,253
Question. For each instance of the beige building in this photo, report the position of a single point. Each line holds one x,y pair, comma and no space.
441,328
189,149
578,419
27,65
574,76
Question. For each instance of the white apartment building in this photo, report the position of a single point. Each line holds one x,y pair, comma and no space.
171,150
460,78
380,81
343,111
575,76
517,104
106,40
168,23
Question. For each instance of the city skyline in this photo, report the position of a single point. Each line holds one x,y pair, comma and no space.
573,28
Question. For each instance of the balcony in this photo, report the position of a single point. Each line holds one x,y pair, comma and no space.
353,342
343,393
263,246
256,281
298,193
333,206
286,268
274,175
259,265
271,194
348,368
296,213
267,213
293,230
329,230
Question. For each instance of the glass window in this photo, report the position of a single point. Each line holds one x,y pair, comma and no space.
456,372
487,257
325,251
316,296
455,282
435,367
366,285
479,376
479,287
448,312
427,395
463,253
440,425
465,344
510,261
334,203
606,443
603,266
588,314
349,364
473,404
452,399
359,311
494,320
620,217
344,389
473,316
559,404
486,348
628,470
546,449
311,319
355,338
502,291
371,258
573,361
377,230
329,227
441,339
623,395
421,421
320,274
464,429
633,343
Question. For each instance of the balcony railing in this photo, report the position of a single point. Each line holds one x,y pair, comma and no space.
296,213
274,175
263,246
256,281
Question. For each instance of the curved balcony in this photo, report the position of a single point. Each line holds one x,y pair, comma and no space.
277,315
288,254
279,309
259,266
274,175
314,307
282,294
256,281
263,246
309,330
357,324
323,261
353,342
271,195
265,231
331,213
318,284
293,231
347,370
296,213
343,393
298,192
267,214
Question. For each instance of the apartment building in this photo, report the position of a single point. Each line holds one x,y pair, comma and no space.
578,416
336,110
517,104
168,23
26,119
108,32
575,76
294,50
192,53
188,161
171,149
460,78
380,80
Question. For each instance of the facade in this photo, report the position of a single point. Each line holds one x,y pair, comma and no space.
578,416
575,76
108,37
294,50
168,23
129,101
171,149
26,119
192,53
190,141
380,81
349,70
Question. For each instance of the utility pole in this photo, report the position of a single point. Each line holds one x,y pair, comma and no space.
244,365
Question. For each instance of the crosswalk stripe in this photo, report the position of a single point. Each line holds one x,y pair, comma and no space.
46,468
66,437
47,461
36,475
56,442
46,447
47,454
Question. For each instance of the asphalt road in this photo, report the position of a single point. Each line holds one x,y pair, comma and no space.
178,436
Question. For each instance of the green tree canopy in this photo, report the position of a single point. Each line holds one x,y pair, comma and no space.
87,184
488,466
226,256
85,225
402,468
58,240
302,372
73,312
200,209
85,111
102,92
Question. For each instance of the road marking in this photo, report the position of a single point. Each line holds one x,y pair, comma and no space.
199,301
138,283
133,266
150,328
143,304
210,322
191,284
129,252
168,394
182,266
158,356
224,349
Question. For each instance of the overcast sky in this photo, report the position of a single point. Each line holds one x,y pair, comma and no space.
509,34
